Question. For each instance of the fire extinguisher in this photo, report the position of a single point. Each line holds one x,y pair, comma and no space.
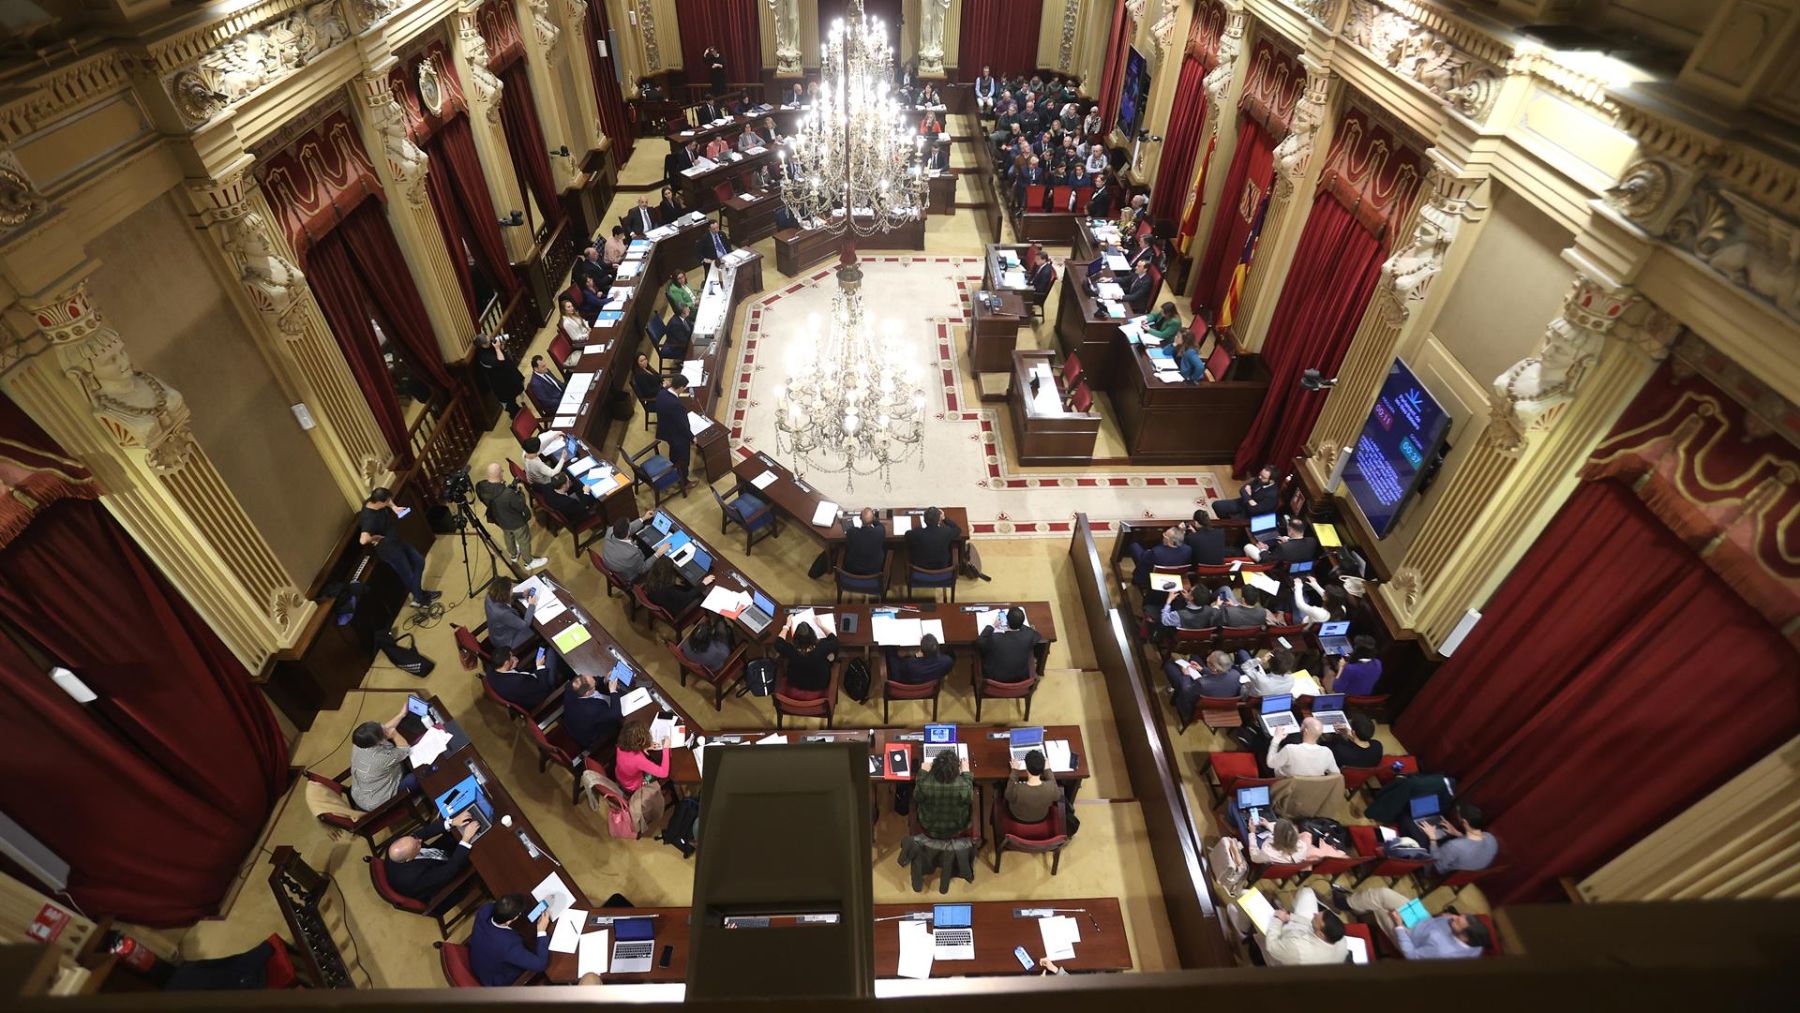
132,953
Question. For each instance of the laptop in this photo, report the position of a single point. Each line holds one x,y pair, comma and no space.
951,935
634,943
759,614
1425,811
1334,638
691,561
1278,715
1262,524
1329,709
1304,566
1024,740
940,735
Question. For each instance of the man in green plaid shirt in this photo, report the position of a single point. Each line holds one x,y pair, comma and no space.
942,796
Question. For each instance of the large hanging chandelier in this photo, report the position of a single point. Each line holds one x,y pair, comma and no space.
856,150
852,403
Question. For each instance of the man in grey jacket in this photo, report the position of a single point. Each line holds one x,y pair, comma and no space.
508,510
621,554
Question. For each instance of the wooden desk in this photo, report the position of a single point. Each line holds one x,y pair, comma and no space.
798,500
941,192
672,929
989,747
798,249
958,619
785,117
1175,422
1087,242
597,656
750,220
698,190
994,333
712,336
993,276
1083,328
1047,437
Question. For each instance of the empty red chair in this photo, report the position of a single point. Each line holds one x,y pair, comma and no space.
1082,399
1218,364
1082,196
1232,770
469,648
525,424
723,192
1367,841
1048,835
1061,198
1215,712
1071,368
1361,931
457,970
1034,196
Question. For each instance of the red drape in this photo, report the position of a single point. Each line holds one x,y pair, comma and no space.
465,210
525,140
155,793
1001,34
733,27
1335,270
1613,681
34,472
331,274
1181,138
615,115
1251,173
1117,42
318,179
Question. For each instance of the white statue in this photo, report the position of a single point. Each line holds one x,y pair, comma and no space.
787,35
1295,149
275,283
931,36
1407,274
406,160
1538,383
137,408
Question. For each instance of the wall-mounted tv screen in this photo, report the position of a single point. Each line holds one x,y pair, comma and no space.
1133,92
1399,441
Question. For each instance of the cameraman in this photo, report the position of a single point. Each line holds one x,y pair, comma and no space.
510,511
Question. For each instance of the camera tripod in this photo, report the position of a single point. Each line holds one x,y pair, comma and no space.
465,519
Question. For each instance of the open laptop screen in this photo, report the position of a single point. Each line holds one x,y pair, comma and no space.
1328,702
1027,737
1424,807
1253,798
952,916
1336,629
1277,704
762,603
1262,523
1304,566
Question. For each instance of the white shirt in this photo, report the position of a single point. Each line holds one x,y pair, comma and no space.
1097,163
1301,760
576,328
1295,942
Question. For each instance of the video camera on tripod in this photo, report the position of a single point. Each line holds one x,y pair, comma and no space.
459,518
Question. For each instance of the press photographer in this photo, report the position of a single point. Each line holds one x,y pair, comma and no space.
509,509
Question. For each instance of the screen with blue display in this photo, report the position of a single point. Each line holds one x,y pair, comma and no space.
1132,92
1402,435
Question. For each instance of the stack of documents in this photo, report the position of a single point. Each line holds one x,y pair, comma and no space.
566,935
1117,263
825,515
1060,933
697,423
764,480
695,371
1109,290
916,949
823,623
1012,279
430,746
630,269
725,601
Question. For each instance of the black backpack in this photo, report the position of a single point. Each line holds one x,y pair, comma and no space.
682,831
404,655
759,677
857,680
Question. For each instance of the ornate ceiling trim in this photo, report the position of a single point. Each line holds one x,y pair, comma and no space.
63,91
291,35
1462,69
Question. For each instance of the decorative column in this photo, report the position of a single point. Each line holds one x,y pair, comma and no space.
76,379
561,130
482,90
1224,85
931,37
1296,172
402,167
1396,316
787,38
1165,74
1065,47
584,114
1549,410
258,270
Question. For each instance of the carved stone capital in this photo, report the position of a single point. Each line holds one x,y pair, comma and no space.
1407,275
251,60
1295,150
1551,377
19,200
274,283
1426,54
484,87
1164,28
137,409
1404,592
285,604
1750,245
407,162
366,14
1135,8
1217,82
541,25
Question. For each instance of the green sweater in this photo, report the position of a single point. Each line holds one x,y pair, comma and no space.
680,295
1163,328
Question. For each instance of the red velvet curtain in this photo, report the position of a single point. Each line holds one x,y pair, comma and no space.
1001,34
733,27
465,210
615,115
344,299
155,793
1246,182
525,141
1614,681
1111,85
1181,138
1335,270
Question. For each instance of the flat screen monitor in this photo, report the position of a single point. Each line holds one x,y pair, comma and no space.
1402,435
1133,91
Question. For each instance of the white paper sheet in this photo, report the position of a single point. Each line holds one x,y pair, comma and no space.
935,627
1060,934
1359,950
1262,582
567,934
1058,755
430,746
772,740
1118,263
825,515
697,423
548,608
596,952
563,422
1109,290
764,480
894,632
556,892
916,950
902,523
635,701
725,601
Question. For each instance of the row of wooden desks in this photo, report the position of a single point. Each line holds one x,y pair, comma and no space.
988,748
999,927
786,119
795,498
699,189
798,249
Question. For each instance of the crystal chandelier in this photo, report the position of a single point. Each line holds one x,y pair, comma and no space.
851,404
856,149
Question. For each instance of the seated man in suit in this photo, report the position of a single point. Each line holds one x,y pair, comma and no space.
621,554
1009,655
567,496
1207,541
678,333
420,867
865,543
916,667
940,158
1032,174
1191,608
1292,547
1172,550
589,265
712,246
928,545
545,389
1257,496
1043,276
641,219
497,954
1137,288
528,682
1189,680
591,717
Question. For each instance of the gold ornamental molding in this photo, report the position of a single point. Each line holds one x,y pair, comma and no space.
1071,27
1461,67
63,91
205,73
646,18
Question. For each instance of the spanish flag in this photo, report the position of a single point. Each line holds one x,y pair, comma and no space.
1190,219
1235,291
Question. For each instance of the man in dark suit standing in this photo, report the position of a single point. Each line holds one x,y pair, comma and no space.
591,717
421,868
865,545
1207,541
713,246
672,425
928,546
545,389
1137,289
640,219
1009,655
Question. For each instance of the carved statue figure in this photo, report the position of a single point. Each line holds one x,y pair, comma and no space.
276,284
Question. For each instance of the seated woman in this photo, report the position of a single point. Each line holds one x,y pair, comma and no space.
672,206
680,292
931,126
592,300
708,644
632,765
667,591
645,380
750,139
1164,322
1283,843
573,324
1187,356
809,661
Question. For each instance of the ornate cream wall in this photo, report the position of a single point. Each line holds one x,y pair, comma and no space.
177,395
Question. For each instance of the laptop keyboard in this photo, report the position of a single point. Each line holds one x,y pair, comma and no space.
633,951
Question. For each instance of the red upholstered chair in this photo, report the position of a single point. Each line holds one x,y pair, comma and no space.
562,349
891,690
518,473
1231,770
986,688
678,625
1331,868
593,525
1456,880
970,833
526,423
1214,712
789,705
1071,369
615,584
1061,198
1232,637
1194,642
1356,777
391,815
457,970
1048,835
1155,283
1409,764
1367,841
438,907
723,192
1376,707
1362,932
1034,196
555,747
1081,399
722,680
1219,362
1296,871
469,648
